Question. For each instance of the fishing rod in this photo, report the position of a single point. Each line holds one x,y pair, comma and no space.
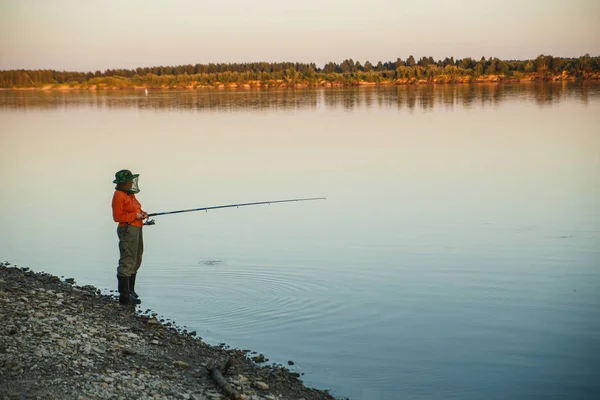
151,221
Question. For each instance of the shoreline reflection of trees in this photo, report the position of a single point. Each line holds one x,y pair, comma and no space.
423,97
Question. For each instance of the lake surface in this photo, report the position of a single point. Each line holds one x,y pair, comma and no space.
457,255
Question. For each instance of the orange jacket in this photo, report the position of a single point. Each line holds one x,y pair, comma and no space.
125,207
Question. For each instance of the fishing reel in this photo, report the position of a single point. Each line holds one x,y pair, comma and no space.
149,222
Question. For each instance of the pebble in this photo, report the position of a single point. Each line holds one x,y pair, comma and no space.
129,351
261,385
181,364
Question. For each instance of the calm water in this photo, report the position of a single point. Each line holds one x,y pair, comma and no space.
457,255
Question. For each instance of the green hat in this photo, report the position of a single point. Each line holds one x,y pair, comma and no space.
124,175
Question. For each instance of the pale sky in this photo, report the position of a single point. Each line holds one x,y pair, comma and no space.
89,35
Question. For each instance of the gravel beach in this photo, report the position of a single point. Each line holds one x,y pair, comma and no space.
62,341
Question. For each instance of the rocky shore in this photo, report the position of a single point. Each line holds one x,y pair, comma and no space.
63,341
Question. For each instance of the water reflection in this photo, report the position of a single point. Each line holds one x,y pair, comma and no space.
483,226
423,97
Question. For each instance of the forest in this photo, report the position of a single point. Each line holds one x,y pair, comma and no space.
289,74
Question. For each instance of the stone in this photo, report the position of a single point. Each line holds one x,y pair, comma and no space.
129,351
108,379
195,396
261,385
153,322
181,364
155,342
259,358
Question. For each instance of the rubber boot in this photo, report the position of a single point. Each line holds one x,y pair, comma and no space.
124,297
132,292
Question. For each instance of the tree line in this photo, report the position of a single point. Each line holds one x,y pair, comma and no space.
347,72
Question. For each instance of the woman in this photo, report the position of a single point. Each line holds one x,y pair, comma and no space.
127,211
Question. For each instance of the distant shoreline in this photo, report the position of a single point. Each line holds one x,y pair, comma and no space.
348,73
280,84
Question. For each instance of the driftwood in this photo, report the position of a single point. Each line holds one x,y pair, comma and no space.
225,387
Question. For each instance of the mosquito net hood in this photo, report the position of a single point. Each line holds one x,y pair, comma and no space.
126,181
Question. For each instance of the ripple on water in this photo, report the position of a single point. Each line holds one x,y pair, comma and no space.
244,297
497,292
